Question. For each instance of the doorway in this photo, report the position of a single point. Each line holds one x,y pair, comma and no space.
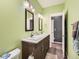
57,31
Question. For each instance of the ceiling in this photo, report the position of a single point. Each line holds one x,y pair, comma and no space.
48,3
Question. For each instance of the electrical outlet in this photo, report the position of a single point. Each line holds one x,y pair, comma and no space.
0,49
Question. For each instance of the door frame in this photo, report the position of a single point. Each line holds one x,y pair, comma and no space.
50,30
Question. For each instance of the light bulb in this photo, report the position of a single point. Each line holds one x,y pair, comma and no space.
33,10
31,7
39,15
26,4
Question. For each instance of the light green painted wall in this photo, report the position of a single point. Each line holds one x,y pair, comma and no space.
53,9
73,15
12,24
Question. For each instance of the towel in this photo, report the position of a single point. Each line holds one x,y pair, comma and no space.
74,30
76,45
76,39
5,56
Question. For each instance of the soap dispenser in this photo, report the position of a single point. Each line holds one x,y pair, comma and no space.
31,34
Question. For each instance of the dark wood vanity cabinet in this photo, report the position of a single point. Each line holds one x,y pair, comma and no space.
38,50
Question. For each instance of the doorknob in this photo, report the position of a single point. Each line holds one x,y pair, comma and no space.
55,29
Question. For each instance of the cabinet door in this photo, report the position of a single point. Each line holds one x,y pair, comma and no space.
25,51
37,52
45,46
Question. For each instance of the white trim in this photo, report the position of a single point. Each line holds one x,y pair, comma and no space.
63,41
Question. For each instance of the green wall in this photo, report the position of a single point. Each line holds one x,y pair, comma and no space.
73,15
53,9
12,24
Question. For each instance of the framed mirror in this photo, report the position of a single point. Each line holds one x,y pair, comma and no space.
29,20
40,24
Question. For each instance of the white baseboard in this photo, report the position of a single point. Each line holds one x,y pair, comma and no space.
57,42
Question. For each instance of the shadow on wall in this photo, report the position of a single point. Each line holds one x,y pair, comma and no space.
66,34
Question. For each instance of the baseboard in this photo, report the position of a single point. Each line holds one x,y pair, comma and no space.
57,42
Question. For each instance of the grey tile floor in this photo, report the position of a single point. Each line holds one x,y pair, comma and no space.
55,52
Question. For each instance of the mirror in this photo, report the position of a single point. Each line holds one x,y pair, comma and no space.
29,20
40,23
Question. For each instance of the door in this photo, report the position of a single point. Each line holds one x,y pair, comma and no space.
57,28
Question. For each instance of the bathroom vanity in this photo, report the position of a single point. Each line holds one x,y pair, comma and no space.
36,46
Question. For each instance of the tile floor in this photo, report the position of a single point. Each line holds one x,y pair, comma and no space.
55,52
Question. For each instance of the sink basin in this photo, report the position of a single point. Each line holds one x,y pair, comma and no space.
35,38
38,36
32,38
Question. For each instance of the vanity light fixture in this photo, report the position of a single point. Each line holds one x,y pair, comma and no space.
31,7
40,16
33,10
26,4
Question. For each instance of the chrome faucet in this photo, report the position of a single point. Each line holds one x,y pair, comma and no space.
32,34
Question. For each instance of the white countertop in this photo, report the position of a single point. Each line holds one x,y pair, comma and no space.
35,38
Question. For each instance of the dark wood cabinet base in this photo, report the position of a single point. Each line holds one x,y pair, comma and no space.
38,50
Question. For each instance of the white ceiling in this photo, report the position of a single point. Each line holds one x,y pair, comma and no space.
48,3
